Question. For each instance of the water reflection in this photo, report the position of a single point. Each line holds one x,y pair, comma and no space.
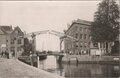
80,70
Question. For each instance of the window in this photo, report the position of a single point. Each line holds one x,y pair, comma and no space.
95,44
80,36
80,28
84,29
77,44
76,35
85,44
19,41
85,36
81,44
12,41
76,28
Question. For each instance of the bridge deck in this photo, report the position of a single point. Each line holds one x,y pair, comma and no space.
55,54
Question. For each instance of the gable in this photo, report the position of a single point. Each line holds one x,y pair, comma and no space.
17,31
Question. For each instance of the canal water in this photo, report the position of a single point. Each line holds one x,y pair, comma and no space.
81,70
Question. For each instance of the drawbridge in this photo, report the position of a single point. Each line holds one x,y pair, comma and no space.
61,36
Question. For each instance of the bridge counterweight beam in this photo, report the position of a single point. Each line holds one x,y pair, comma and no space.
34,43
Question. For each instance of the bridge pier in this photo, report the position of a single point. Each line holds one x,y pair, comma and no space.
59,58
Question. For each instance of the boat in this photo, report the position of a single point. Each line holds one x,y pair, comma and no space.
42,55
27,60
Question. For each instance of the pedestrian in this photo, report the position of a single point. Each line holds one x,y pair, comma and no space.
13,54
2,54
7,54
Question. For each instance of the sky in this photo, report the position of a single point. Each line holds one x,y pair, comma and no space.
33,16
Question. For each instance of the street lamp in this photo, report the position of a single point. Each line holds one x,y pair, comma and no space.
15,40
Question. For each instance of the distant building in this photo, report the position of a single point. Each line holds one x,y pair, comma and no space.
79,29
10,40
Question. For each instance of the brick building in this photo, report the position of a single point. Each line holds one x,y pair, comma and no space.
10,40
79,29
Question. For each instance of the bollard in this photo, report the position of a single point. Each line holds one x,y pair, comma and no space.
38,61
31,60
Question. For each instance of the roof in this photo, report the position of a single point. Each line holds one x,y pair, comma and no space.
17,29
9,30
83,22
79,21
6,29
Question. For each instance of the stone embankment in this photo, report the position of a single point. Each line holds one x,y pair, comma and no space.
13,68
74,59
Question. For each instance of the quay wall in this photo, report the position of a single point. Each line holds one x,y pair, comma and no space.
74,59
13,68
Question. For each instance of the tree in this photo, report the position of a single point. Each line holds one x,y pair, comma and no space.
105,27
27,47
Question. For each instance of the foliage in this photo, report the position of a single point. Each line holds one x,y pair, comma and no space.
115,48
27,47
105,27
